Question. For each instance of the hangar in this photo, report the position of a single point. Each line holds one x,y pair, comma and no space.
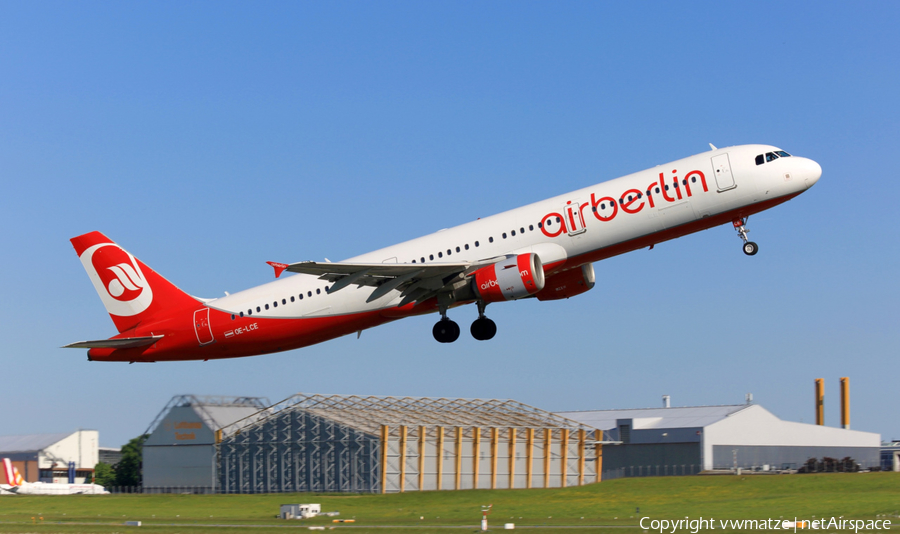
180,450
338,443
67,457
688,440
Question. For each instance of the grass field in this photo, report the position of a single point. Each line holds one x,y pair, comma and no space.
611,504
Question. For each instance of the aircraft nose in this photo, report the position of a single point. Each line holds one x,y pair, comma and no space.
811,171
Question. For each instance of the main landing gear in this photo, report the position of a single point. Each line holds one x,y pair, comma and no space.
750,248
483,328
447,331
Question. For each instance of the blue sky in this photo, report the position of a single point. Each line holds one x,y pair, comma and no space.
209,137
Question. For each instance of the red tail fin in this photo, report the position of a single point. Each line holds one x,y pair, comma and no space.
10,472
132,292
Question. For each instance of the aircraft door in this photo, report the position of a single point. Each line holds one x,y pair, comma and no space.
724,178
574,220
202,327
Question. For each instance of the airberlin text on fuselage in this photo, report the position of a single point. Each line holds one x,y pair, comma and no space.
606,208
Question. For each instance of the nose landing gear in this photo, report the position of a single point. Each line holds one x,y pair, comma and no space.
750,248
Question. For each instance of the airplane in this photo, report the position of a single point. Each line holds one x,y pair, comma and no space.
18,486
544,250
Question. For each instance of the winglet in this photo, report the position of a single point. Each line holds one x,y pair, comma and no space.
279,267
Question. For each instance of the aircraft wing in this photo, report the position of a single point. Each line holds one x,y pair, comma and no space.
115,343
416,282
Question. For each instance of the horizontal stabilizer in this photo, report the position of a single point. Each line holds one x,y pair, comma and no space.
115,343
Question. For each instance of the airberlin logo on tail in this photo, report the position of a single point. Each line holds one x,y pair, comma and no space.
127,278
118,279
631,201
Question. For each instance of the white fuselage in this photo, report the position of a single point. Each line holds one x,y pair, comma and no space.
593,236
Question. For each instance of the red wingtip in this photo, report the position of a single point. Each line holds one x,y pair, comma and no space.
279,267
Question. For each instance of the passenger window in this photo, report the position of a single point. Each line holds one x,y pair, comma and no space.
467,246
431,257
275,304
531,228
309,293
301,296
423,259
232,317
504,235
657,190
770,156
513,232
242,314
267,306
491,239
257,309
440,254
283,301
759,159
457,249
521,230
540,225
557,219
414,261
292,298
249,312
476,243
694,179
449,252
318,291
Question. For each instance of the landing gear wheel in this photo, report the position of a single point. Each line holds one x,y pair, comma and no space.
750,248
445,331
483,329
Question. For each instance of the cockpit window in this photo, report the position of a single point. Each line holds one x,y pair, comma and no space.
771,156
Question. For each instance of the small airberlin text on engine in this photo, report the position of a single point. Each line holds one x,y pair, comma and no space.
606,208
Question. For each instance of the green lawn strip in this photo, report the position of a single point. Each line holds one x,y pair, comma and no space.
203,529
608,503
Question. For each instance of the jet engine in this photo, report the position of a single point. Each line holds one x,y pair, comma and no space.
510,279
568,283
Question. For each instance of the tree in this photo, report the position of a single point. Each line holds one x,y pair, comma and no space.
104,474
129,469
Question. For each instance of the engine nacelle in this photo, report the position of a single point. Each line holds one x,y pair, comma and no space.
510,279
568,283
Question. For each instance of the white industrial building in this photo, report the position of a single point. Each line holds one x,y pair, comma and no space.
667,441
180,449
51,457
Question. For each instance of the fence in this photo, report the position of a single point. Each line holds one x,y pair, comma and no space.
185,490
651,471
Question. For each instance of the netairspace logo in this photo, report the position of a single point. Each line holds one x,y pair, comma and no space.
696,525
